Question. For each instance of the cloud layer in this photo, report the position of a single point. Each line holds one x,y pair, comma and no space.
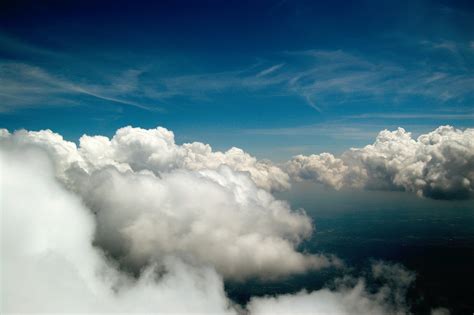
49,264
153,199
439,164
70,224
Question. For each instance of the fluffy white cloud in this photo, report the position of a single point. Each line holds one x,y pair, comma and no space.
156,150
153,199
189,223
49,264
216,217
324,168
148,149
439,164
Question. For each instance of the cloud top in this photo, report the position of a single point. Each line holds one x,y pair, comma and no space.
438,165
154,150
85,233
153,199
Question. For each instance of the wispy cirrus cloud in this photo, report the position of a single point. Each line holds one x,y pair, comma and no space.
321,78
345,77
269,70
33,76
24,85
324,78
443,44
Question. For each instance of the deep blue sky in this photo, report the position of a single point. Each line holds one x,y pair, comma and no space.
276,78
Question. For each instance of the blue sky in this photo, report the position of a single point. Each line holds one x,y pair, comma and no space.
276,78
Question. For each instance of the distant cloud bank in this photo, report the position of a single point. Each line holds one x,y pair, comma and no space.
438,165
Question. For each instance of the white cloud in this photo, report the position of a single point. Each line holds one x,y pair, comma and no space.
269,70
320,77
439,164
49,264
153,198
150,149
195,222
25,85
212,217
324,168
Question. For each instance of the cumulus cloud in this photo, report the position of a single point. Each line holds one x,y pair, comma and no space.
62,246
439,164
216,217
49,264
149,149
152,199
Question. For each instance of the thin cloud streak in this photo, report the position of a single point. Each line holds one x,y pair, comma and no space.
328,77
269,70
28,84
321,78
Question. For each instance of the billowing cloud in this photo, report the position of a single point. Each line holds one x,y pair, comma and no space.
154,199
63,246
439,164
216,217
152,150
49,264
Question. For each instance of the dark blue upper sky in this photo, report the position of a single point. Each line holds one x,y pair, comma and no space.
273,77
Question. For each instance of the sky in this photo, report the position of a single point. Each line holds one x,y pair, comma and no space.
275,78
237,157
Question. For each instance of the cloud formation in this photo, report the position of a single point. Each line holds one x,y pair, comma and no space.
153,198
212,217
155,150
438,165
63,247
49,264
26,85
